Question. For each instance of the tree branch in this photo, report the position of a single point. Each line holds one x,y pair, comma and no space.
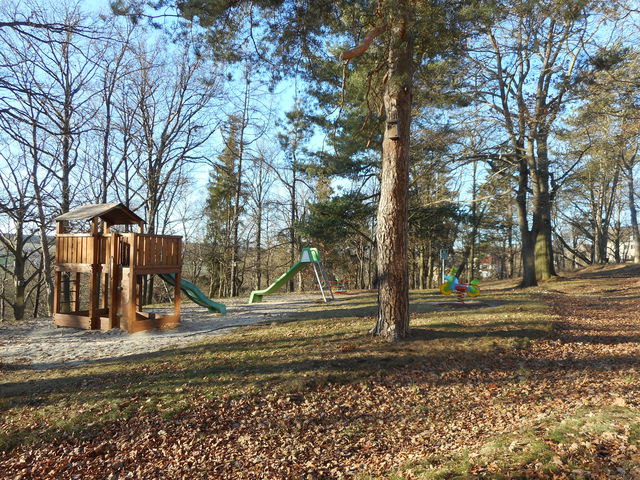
364,45
574,251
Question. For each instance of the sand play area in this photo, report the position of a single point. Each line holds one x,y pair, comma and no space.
39,344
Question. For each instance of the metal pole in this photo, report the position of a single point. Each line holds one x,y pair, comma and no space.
315,270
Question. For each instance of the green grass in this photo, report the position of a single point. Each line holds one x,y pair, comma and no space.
327,344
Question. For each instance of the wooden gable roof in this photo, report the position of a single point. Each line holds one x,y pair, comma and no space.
112,213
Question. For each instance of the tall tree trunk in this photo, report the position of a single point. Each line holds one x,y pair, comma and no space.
47,261
65,196
152,220
221,281
259,247
292,219
363,267
599,246
633,213
38,293
422,282
106,137
392,227
212,282
527,251
602,218
299,275
544,264
474,223
511,253
267,259
617,228
238,191
413,262
19,283
3,292
431,266
373,255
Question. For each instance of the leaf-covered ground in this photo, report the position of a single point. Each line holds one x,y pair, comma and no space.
542,383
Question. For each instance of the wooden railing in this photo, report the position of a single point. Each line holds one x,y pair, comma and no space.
78,248
156,250
144,250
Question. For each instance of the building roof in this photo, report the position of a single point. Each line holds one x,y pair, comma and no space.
490,260
112,213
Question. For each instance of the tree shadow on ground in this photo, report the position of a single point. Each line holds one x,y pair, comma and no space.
372,310
208,365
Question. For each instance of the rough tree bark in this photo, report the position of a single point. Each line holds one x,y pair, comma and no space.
633,214
543,248
292,220
47,260
237,197
527,255
258,246
392,218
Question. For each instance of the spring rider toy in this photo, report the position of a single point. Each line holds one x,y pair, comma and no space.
451,285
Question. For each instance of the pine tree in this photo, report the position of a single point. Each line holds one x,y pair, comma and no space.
395,37
220,212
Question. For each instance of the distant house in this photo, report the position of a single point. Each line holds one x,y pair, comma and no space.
626,244
489,266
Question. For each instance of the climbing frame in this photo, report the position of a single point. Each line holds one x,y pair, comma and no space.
115,264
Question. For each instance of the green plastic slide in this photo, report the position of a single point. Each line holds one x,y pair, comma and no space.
194,293
309,255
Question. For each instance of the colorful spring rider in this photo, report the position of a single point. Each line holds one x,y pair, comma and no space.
338,286
452,285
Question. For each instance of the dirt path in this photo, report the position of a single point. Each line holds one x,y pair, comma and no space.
39,344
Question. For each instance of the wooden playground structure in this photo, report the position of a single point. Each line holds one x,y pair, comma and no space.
115,264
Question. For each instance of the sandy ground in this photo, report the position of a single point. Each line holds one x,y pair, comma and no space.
39,344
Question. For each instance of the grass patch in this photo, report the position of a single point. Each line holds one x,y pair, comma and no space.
327,345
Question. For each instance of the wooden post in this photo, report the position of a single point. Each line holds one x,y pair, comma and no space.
177,300
96,269
105,290
56,292
62,285
114,269
106,272
132,307
76,296
58,275
177,290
